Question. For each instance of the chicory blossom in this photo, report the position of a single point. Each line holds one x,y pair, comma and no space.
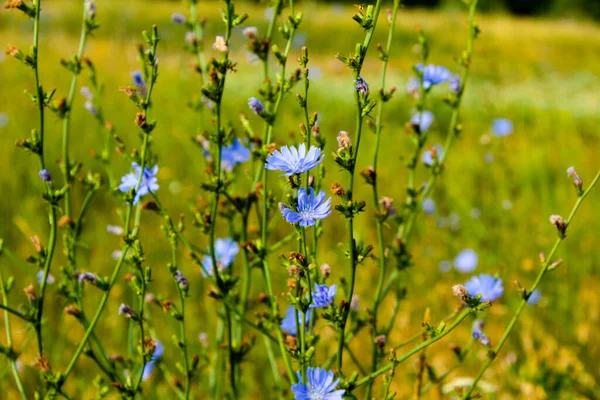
40,278
87,277
138,80
490,288
86,92
534,297
88,105
159,350
362,86
323,295
234,154
422,120
320,386
502,127
178,19
454,83
433,74
428,206
466,261
45,175
225,252
288,324
478,333
148,183
428,155
256,106
310,208
294,161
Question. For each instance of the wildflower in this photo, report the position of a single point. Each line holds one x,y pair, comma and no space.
460,291
91,7
159,350
429,157
489,287
86,92
181,280
40,278
323,295
387,204
361,86
422,120
220,44
225,252
294,161
115,230
234,154
412,87
534,297
91,108
380,341
576,179
148,183
138,80
288,324
178,19
454,83
320,386
309,209
428,206
87,277
559,223
45,175
251,33
502,127
344,141
126,311
256,106
325,270
478,333
466,261
433,75
116,254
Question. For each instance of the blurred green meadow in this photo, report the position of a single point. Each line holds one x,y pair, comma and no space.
495,195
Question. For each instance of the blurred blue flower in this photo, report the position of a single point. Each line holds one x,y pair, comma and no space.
234,154
40,278
288,324
489,287
294,161
115,229
256,106
428,206
454,83
159,350
320,386
225,252
466,261
323,295
502,127
534,297
45,175
138,79
427,156
478,333
88,105
362,86
178,19
412,86
422,120
433,74
148,184
310,208
86,92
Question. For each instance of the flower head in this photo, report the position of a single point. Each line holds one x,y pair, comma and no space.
178,19
344,141
310,208
148,183
91,7
234,154
428,206
478,333
323,295
220,44
466,261
534,297
256,106
489,287
40,278
288,324
362,86
45,175
115,230
88,277
422,120
86,92
126,311
454,83
225,252
181,280
321,386
159,351
250,32
138,80
502,127
88,105
433,74
434,153
294,161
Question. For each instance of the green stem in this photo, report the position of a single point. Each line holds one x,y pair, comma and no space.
545,267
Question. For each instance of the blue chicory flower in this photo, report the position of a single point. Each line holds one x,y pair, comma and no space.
310,208
502,127
454,83
362,86
225,252
159,350
148,184
40,278
534,297
294,161
433,74
256,106
428,206
178,19
422,120
490,288
320,386
288,324
323,295
88,105
466,260
138,80
234,154
478,334
427,156
45,175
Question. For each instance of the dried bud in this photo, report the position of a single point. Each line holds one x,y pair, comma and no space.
73,311
12,50
299,257
43,364
30,293
126,311
140,119
577,182
380,341
37,244
460,291
325,270
166,305
149,345
271,148
291,284
370,175
355,302
337,189
294,270
344,141
560,224
65,221
220,44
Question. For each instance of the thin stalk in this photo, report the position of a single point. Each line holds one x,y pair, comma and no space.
545,267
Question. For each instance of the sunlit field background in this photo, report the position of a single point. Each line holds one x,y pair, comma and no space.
495,195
